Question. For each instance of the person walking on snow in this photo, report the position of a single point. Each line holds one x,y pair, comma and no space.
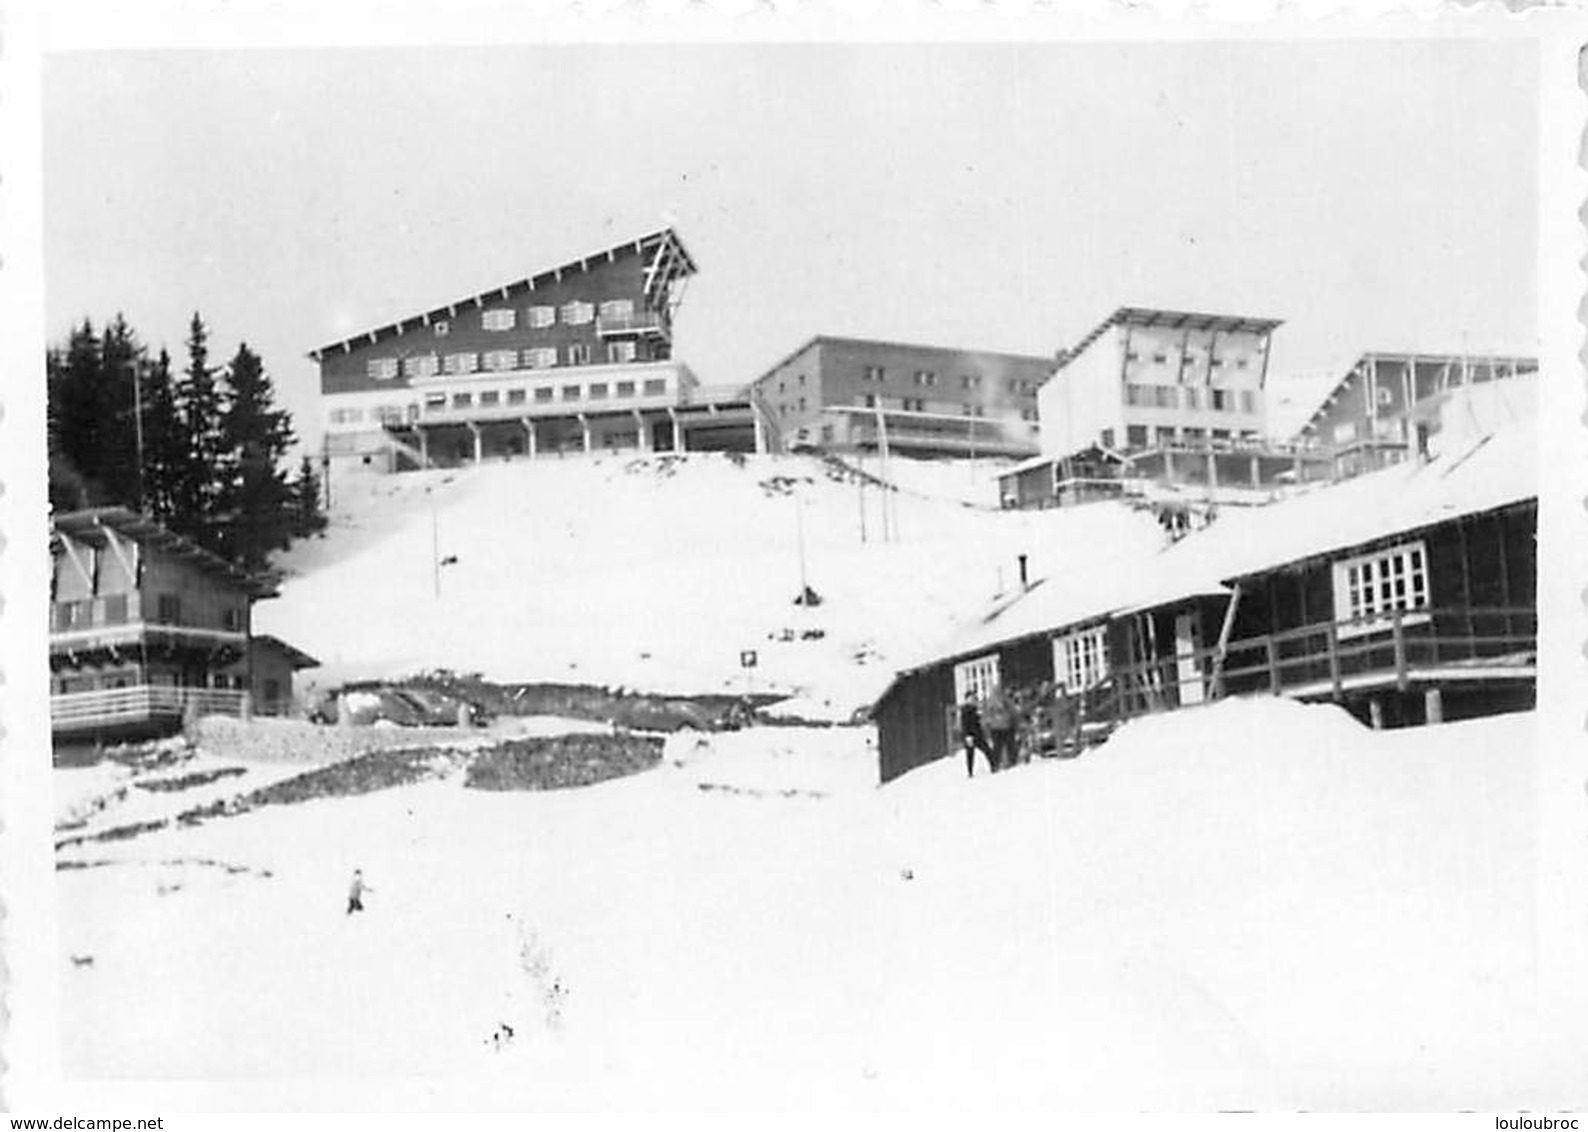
999,717
356,891
970,734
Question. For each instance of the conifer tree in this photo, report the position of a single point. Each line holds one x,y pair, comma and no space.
165,441
201,405
309,509
257,496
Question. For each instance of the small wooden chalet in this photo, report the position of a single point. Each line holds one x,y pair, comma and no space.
269,669
146,627
1407,595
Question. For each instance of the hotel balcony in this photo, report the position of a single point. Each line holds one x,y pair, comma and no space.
641,324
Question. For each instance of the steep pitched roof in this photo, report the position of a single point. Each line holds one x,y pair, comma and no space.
91,525
667,251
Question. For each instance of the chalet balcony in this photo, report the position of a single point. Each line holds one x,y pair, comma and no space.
641,324
1495,646
142,706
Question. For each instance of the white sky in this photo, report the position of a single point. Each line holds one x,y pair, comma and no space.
1374,194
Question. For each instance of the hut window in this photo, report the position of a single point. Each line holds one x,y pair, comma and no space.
1369,589
542,317
975,677
1081,659
501,318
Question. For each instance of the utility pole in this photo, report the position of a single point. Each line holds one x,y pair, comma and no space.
889,519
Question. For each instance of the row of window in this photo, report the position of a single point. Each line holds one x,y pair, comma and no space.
1192,397
575,313
919,405
495,361
495,398
113,610
1162,357
926,377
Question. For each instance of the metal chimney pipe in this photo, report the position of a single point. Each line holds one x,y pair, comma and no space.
1023,583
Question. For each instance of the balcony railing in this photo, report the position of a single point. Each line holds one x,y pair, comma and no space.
141,703
1329,659
640,324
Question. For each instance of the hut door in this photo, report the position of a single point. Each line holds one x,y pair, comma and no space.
1186,664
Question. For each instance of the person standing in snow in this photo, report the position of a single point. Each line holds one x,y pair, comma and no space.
971,735
999,717
356,891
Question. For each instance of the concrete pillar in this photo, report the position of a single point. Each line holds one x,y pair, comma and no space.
1433,706
479,442
424,449
642,432
1375,713
760,430
678,432
1213,472
1257,478
584,428
529,435
1168,466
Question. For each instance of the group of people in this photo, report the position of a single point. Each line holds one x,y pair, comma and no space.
1009,727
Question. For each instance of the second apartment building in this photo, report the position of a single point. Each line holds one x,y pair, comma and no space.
848,394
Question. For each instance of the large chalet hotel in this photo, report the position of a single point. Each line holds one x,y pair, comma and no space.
575,359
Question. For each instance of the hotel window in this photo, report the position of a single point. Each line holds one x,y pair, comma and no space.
435,401
1133,355
543,393
655,385
462,400
1159,359
515,396
577,313
499,360
618,309
1222,401
970,381
802,404
168,609
1193,397
422,365
502,318
625,389
802,379
1369,589
570,393
461,363
620,352
1136,436
1028,414
541,357
1081,659
874,373
441,327
542,317
925,377
1242,363
579,353
490,397
867,400
382,369
598,390
1248,400
911,405
976,678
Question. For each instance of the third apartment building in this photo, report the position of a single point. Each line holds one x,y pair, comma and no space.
855,393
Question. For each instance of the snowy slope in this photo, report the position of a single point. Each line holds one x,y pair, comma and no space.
1256,904
655,573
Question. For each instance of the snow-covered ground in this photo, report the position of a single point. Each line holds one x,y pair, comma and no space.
1253,904
655,573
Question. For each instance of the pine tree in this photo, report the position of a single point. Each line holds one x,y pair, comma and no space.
122,362
257,497
201,406
309,511
166,451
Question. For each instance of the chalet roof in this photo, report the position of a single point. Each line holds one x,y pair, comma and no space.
91,526
295,657
1497,470
670,256
1173,320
